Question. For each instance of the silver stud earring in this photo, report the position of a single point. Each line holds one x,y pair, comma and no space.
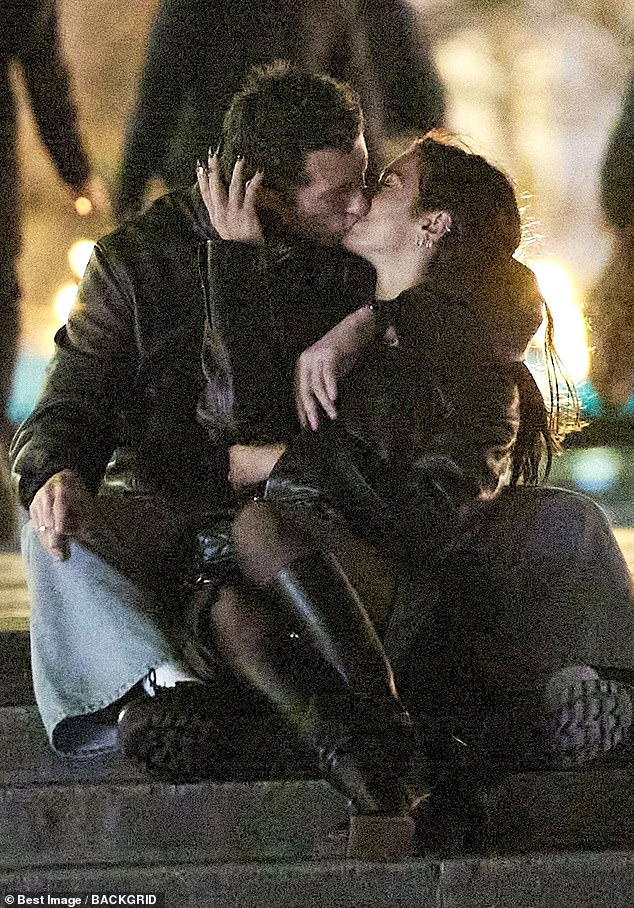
428,243
419,241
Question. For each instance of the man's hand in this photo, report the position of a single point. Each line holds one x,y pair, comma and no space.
58,510
250,464
320,366
232,213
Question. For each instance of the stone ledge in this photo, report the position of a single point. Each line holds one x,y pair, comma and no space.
596,880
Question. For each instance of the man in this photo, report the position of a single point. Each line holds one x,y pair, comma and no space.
611,307
118,415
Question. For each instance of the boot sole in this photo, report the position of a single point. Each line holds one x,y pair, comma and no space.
588,719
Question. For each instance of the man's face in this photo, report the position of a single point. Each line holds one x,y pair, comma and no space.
334,196
390,225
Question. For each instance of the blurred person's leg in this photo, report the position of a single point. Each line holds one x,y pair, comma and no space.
611,316
9,321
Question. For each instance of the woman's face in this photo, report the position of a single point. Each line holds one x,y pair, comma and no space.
390,224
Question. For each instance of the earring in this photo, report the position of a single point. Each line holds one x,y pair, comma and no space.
428,243
419,241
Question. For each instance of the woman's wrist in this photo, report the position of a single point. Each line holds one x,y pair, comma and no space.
380,314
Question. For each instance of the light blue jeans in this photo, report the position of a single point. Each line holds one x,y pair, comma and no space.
92,639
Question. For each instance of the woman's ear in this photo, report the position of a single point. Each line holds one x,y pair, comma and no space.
433,227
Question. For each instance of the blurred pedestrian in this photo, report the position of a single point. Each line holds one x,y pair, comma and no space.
200,51
612,302
29,37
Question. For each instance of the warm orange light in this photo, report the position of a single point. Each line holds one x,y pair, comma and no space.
83,206
64,300
571,340
78,256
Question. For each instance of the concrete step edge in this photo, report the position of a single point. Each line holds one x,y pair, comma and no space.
591,880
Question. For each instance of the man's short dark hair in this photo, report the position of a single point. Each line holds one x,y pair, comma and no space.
281,115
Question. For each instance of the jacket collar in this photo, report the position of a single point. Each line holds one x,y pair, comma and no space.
509,305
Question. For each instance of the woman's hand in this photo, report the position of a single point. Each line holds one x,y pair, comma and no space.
328,359
250,464
232,213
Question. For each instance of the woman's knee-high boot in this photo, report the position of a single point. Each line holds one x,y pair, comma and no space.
345,709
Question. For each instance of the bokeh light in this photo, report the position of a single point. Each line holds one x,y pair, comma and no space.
79,255
596,469
571,339
64,300
83,206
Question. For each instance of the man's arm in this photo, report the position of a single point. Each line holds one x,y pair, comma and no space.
444,452
242,309
247,306
71,430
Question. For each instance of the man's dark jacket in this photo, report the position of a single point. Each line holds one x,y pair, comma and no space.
123,389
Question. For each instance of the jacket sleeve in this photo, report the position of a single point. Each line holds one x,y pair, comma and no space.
73,424
242,315
48,84
410,506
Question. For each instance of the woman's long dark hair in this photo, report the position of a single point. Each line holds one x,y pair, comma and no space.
474,260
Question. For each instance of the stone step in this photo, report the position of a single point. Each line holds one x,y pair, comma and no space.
54,810
26,758
16,687
14,596
589,880
137,823
591,809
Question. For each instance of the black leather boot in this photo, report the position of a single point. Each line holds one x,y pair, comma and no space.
351,717
322,600
361,751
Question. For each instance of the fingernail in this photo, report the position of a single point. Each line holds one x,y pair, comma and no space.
218,147
239,157
210,152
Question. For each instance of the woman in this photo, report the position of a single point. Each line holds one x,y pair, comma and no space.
429,428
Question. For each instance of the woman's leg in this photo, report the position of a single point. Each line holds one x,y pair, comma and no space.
278,554
357,751
298,631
